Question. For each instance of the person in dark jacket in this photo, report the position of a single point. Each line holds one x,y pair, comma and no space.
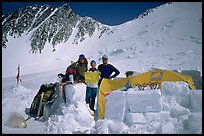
106,70
80,66
77,69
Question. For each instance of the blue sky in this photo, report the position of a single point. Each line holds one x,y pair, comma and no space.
110,13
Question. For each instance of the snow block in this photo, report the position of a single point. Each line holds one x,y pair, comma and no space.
172,88
115,106
167,128
157,116
194,123
195,101
179,90
69,93
135,118
144,101
180,112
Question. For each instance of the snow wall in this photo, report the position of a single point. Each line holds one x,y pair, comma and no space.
177,110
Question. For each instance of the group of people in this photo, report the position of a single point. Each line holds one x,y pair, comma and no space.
77,69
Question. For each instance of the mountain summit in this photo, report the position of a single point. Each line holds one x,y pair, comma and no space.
49,24
167,37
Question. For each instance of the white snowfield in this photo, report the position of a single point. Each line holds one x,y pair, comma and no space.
172,113
169,38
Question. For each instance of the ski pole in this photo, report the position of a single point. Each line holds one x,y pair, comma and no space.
28,118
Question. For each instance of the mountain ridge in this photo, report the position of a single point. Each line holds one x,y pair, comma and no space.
168,38
49,24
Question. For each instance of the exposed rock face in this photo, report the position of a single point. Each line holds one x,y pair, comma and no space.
49,24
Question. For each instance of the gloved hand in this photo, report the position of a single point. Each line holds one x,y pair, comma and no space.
61,75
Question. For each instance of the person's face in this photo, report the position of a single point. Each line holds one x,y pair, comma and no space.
81,61
93,65
105,61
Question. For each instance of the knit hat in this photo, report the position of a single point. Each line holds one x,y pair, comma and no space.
81,56
92,62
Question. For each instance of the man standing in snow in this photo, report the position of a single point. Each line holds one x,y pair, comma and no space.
107,69
80,67
77,69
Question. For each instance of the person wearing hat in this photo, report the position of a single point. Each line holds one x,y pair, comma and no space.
77,69
91,89
107,69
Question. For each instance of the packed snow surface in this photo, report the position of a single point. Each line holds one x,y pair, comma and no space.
178,110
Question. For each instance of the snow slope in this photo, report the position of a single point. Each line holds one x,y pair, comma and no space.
170,37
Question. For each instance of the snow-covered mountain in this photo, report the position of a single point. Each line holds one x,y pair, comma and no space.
168,37
48,24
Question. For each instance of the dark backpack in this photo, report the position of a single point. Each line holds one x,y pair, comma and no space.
49,90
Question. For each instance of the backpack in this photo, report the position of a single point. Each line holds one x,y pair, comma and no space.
49,91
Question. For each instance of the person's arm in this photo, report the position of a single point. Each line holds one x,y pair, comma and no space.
99,69
99,72
117,72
